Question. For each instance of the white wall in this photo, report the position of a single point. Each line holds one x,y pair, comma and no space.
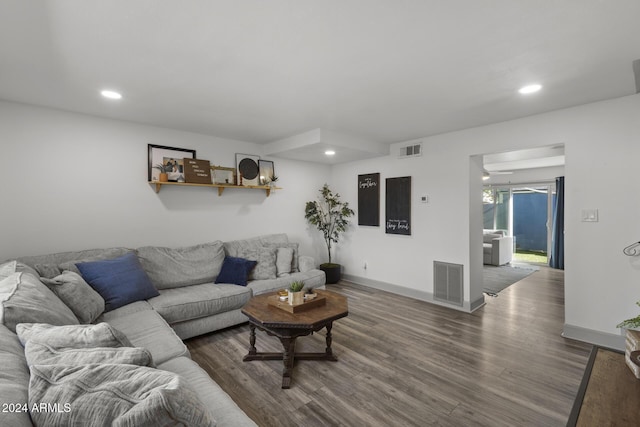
602,150
71,181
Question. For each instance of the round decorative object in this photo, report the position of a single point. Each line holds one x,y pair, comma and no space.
248,168
635,357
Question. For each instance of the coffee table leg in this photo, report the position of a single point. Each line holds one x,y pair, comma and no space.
252,340
328,350
289,345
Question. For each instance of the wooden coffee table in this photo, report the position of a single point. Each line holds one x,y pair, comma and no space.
289,326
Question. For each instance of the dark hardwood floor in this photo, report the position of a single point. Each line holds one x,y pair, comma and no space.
404,362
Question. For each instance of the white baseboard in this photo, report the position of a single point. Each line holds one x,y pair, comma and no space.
411,293
591,336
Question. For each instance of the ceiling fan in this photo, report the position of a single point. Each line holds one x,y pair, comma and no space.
488,174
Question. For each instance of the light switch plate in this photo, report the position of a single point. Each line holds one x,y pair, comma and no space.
589,215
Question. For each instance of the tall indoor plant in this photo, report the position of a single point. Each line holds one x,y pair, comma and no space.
329,214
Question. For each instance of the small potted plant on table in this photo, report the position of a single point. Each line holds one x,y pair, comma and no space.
296,295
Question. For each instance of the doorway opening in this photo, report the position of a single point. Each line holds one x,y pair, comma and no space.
523,211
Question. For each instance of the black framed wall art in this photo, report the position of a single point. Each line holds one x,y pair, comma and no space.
369,199
398,206
170,159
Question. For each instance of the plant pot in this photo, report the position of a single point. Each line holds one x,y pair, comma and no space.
164,177
296,298
332,272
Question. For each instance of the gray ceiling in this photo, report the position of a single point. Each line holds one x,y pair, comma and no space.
261,71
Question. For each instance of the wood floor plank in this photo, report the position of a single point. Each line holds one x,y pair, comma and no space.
406,362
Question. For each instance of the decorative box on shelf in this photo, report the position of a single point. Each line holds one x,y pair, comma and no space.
197,171
308,304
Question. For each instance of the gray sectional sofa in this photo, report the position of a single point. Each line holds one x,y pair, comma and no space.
49,291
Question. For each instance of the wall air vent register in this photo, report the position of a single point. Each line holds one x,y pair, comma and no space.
413,150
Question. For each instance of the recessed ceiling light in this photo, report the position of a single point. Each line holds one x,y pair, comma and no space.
329,152
111,94
525,90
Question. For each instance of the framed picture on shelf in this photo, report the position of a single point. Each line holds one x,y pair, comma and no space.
247,169
170,159
223,175
267,172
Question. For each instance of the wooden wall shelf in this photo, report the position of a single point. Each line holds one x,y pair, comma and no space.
221,187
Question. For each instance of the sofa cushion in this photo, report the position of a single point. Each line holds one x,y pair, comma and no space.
235,271
266,262
119,281
225,411
192,302
233,247
284,261
177,267
14,379
487,238
134,307
52,265
311,279
24,299
81,298
114,394
204,325
149,330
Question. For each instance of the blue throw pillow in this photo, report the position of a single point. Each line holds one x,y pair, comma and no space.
235,270
120,281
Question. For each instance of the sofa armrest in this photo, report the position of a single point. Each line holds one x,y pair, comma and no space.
502,250
306,263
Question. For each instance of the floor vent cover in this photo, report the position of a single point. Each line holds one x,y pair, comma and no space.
447,282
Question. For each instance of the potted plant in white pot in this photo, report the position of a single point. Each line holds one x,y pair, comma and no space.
329,214
296,294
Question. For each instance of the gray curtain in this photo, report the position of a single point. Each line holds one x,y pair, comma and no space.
557,233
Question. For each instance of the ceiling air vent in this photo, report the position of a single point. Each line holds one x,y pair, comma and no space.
413,150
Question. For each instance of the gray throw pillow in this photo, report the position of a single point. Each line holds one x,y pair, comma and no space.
117,395
81,298
294,246
73,336
24,299
78,344
177,267
48,271
43,354
284,258
266,258
7,269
